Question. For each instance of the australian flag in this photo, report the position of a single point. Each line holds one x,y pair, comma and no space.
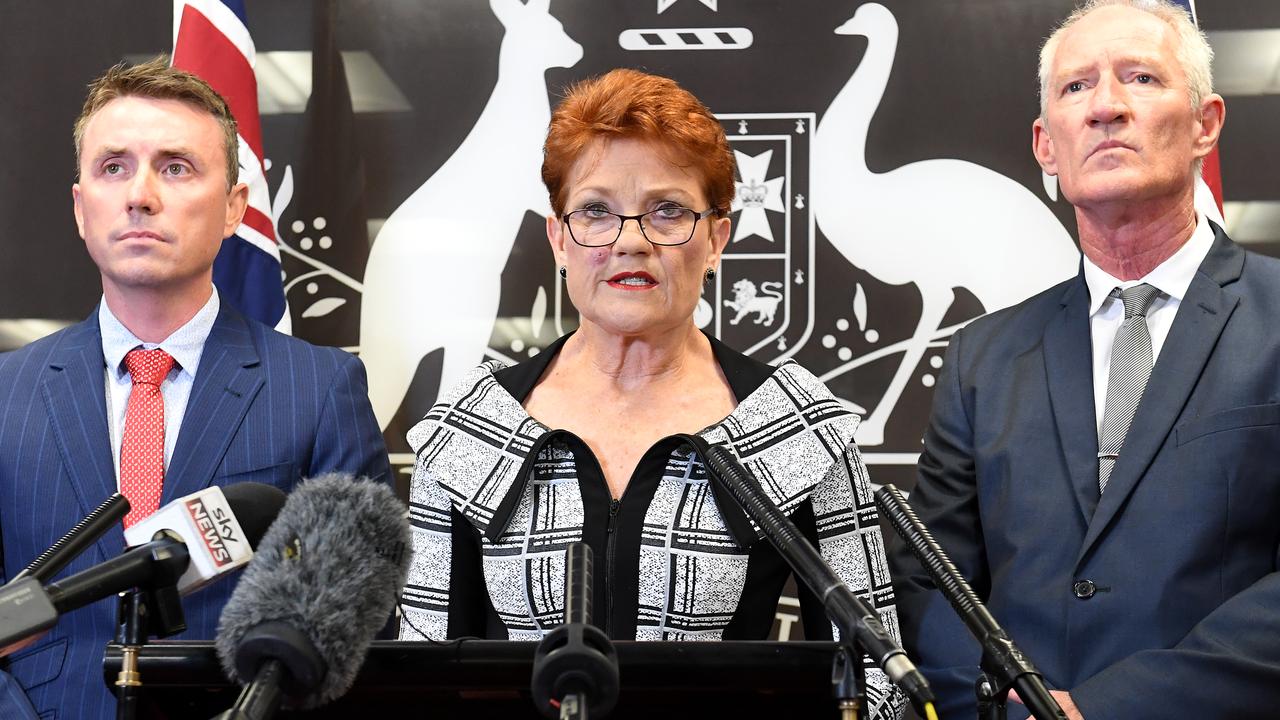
211,39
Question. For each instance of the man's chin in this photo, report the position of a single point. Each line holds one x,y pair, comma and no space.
146,278
1114,186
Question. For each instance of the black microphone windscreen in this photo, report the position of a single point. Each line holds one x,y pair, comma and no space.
331,566
256,506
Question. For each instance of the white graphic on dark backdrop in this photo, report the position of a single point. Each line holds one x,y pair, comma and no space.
747,299
936,225
724,38
756,193
664,4
940,224
772,248
443,249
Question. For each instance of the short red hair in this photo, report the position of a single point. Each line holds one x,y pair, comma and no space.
626,103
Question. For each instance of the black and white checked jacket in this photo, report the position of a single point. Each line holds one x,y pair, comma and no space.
496,497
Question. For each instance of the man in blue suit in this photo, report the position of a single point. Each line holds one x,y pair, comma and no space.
1103,460
157,191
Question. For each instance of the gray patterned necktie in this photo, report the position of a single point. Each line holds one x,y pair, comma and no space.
1131,360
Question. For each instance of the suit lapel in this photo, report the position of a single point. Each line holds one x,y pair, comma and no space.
227,380
74,392
1202,315
1068,363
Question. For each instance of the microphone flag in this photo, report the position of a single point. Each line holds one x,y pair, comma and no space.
209,527
211,40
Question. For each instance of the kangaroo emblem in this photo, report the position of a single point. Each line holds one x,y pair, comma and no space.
440,254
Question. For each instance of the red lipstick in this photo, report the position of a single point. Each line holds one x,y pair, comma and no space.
633,281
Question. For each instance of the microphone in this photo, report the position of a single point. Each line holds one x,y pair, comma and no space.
323,582
213,531
575,665
69,546
163,564
1001,658
855,618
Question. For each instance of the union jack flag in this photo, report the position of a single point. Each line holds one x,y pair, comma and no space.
211,39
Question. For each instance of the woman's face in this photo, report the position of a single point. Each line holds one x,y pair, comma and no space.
633,287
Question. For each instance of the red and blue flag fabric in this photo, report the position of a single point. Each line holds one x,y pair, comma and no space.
211,39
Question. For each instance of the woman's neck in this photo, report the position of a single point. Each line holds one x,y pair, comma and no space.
629,362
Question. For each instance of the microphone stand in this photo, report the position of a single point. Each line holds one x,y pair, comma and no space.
990,707
575,668
143,612
855,618
849,681
1003,665
131,633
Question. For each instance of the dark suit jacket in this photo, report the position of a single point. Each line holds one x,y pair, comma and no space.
1180,614
264,408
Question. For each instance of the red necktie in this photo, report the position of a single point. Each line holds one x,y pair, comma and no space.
142,449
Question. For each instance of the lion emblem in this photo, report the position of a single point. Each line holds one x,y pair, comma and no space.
747,300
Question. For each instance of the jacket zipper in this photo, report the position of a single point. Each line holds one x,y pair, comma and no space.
610,549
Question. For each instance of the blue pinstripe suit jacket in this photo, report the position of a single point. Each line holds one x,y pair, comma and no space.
265,408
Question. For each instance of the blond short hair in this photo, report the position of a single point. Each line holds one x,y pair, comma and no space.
157,80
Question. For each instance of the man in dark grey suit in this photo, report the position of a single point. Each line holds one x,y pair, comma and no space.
1102,459
235,400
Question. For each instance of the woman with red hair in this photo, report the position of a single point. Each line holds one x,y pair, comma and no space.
581,443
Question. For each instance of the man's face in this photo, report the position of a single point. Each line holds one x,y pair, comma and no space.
1120,126
152,202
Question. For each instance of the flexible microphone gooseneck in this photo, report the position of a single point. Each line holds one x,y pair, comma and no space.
321,585
69,546
1000,657
855,618
575,666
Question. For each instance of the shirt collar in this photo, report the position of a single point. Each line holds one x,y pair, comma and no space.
185,344
1171,277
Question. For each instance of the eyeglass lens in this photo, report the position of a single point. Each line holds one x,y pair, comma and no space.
664,226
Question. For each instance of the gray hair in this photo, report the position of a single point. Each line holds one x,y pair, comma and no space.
1194,56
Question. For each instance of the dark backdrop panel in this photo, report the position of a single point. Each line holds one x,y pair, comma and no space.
962,86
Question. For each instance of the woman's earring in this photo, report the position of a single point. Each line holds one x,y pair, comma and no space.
564,273
710,275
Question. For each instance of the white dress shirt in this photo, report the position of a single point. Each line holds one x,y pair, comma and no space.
185,345
1171,277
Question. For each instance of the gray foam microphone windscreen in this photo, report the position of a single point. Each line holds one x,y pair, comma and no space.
331,566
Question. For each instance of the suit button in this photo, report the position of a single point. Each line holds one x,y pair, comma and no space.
1084,589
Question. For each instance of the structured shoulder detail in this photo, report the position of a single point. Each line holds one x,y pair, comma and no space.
788,433
474,442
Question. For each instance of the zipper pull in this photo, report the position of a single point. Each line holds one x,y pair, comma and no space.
613,514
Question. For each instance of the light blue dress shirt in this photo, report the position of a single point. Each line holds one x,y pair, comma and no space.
185,345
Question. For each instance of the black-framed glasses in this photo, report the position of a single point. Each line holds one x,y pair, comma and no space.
594,227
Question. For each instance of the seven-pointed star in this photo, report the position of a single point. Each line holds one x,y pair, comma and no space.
755,195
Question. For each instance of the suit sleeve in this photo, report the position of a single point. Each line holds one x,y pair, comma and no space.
850,541
1227,667
348,438
946,500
